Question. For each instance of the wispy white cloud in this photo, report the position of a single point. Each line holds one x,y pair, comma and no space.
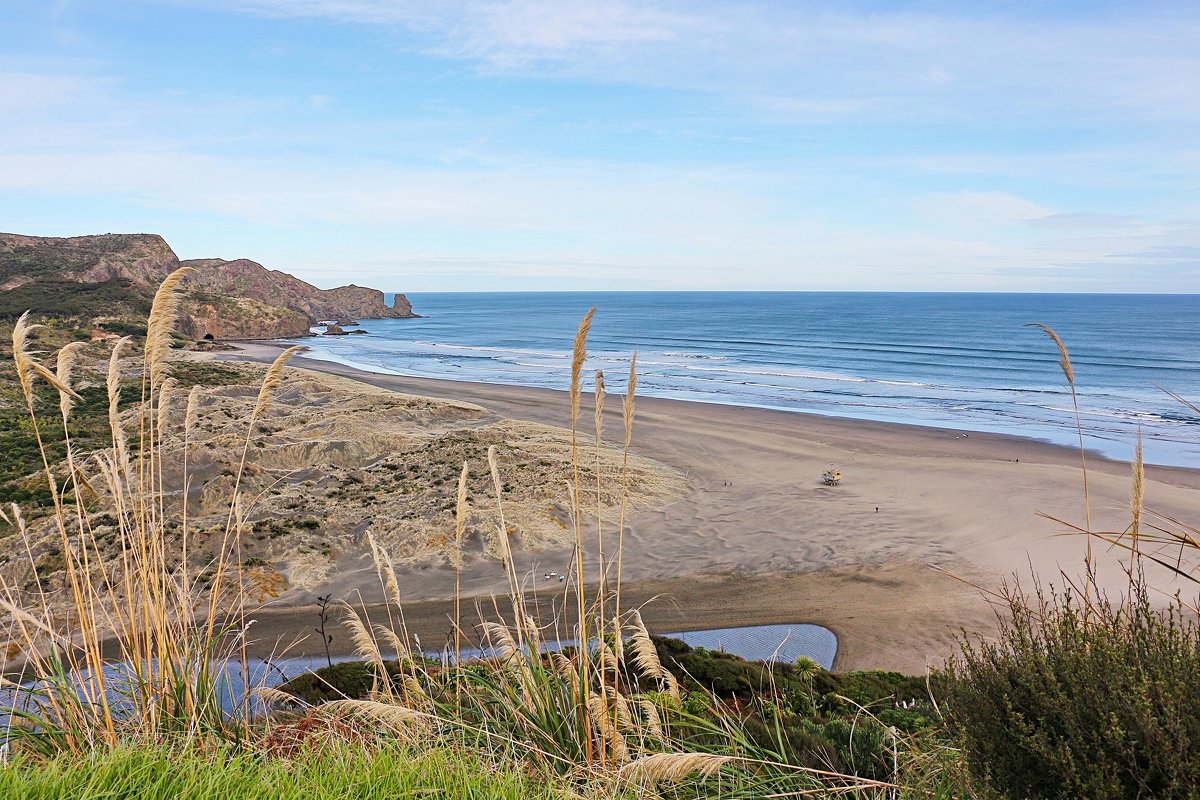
953,63
1084,221
25,92
972,208
417,13
521,31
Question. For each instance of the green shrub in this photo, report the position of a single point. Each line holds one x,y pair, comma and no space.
64,298
344,679
1071,703
191,373
352,679
125,328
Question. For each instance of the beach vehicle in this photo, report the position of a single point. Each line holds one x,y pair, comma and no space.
831,477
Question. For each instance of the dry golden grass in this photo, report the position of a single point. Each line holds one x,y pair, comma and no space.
137,603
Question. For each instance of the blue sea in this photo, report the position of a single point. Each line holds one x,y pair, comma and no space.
967,362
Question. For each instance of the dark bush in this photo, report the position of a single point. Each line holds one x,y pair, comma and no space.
352,679
63,298
344,679
1070,703
801,741
123,328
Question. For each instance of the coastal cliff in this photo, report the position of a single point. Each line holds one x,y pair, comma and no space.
116,274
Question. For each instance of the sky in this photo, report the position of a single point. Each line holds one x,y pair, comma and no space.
478,145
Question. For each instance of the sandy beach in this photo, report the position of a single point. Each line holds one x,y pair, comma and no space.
888,560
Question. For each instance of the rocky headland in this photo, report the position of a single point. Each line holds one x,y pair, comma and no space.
118,273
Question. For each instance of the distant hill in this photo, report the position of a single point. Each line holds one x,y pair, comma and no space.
89,277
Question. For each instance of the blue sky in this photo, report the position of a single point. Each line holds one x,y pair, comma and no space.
525,144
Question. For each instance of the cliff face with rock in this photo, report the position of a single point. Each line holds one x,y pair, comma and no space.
226,317
112,274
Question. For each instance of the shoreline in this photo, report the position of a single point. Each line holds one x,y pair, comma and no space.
758,540
1067,452
1035,404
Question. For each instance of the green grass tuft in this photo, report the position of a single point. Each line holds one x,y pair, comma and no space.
336,773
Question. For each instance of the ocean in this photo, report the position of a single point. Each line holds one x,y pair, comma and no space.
966,362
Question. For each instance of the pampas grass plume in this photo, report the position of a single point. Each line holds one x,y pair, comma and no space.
273,696
27,366
164,404
193,410
645,655
1137,500
460,517
627,409
579,354
502,639
673,767
113,386
64,366
364,643
399,718
163,313
1064,360
599,405
272,380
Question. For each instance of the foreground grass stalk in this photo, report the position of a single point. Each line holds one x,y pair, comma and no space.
579,355
460,528
627,417
1069,373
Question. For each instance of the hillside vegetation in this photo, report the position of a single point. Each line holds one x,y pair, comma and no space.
87,280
